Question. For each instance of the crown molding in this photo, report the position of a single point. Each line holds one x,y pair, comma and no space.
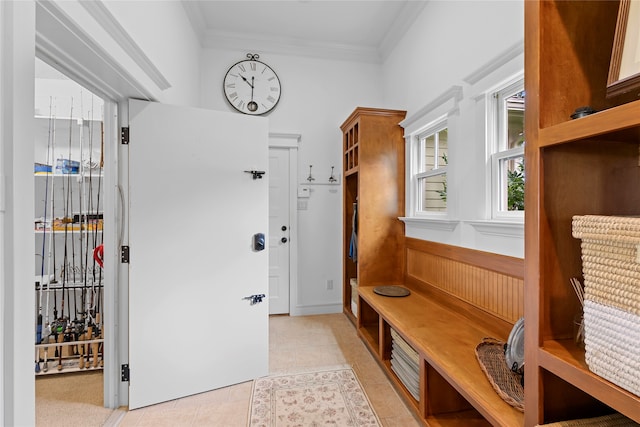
289,46
210,38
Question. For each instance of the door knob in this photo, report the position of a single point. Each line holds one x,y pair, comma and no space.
284,228
255,299
283,240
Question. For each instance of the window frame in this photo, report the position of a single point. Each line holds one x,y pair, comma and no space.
419,175
497,139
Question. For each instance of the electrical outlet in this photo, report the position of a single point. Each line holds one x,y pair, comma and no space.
329,284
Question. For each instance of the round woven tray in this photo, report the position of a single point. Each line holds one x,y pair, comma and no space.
508,384
392,291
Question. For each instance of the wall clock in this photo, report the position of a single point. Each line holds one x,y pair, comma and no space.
251,86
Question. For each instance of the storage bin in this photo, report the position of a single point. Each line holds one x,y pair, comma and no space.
66,166
41,168
611,268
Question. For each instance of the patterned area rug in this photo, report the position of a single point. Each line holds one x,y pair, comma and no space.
311,399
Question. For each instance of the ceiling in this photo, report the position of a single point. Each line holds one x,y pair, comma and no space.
361,30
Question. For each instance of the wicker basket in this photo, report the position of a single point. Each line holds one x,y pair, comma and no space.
611,269
614,420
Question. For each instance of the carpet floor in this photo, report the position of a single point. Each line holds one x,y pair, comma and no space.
73,399
297,344
329,397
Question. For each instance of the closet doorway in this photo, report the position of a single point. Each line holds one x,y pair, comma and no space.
69,233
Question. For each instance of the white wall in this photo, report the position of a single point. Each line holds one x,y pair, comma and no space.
449,42
317,96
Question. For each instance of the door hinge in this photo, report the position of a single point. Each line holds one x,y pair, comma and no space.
124,372
124,254
124,136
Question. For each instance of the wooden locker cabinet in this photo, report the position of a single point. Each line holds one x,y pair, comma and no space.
581,166
373,167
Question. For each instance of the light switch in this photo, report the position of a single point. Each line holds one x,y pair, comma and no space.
304,191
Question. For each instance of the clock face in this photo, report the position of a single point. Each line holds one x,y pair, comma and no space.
252,87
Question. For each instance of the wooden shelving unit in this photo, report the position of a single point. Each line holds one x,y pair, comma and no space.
589,165
453,389
373,167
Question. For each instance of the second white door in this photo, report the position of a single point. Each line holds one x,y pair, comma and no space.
279,231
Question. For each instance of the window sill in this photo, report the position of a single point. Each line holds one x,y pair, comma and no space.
431,223
499,228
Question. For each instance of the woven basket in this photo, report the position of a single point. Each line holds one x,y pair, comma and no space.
614,420
611,269
505,382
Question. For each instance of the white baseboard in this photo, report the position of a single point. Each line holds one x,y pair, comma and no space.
308,310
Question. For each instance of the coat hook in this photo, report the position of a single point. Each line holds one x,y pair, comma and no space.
332,178
310,177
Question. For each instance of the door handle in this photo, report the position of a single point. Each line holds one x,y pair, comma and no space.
283,240
255,299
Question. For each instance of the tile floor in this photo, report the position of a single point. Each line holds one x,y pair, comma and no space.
296,344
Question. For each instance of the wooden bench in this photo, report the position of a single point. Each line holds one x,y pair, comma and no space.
445,329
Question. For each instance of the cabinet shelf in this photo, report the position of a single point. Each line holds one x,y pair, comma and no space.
621,124
85,174
353,170
61,232
565,360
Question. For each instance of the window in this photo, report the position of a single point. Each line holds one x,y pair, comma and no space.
432,194
507,160
431,171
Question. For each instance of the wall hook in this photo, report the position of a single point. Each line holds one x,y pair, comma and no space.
332,178
310,177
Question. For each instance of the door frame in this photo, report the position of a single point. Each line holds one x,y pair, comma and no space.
291,141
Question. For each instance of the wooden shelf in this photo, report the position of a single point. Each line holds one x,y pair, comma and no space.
565,360
621,123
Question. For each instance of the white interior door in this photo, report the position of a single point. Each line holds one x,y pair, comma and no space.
193,213
279,231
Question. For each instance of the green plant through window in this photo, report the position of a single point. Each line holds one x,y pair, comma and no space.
443,192
515,187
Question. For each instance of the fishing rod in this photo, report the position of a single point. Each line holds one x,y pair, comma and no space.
60,323
51,262
85,220
44,242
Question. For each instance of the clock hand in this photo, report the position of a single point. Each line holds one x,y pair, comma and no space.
247,81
